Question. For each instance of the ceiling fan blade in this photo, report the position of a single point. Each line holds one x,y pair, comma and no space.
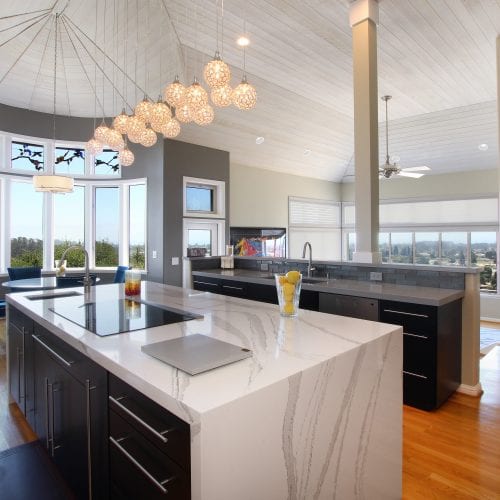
410,174
416,169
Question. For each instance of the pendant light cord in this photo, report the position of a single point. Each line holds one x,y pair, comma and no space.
55,78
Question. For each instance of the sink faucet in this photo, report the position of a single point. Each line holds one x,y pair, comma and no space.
87,280
310,269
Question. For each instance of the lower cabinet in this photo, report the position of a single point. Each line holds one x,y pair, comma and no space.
346,305
431,350
149,447
71,414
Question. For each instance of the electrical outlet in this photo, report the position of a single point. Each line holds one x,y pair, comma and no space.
264,266
375,276
175,261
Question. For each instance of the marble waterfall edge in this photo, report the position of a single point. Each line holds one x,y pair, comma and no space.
330,432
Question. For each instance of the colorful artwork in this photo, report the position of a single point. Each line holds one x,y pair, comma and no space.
259,242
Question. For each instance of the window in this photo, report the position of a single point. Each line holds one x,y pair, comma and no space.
69,226
384,246
203,238
454,248
204,198
27,156
69,161
426,248
137,226
316,221
484,255
107,223
401,248
26,225
107,163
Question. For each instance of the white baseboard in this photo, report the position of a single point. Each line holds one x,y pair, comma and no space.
471,390
491,320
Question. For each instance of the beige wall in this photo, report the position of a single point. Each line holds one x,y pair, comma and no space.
445,185
260,197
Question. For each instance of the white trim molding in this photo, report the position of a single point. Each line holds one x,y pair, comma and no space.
471,390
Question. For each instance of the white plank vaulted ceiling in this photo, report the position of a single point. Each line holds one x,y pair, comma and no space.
435,57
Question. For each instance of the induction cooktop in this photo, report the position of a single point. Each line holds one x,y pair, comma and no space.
109,317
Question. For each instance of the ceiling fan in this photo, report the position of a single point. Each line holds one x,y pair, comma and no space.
388,169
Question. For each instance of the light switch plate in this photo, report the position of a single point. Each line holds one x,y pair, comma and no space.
155,254
175,261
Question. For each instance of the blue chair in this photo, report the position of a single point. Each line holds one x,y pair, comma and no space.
21,273
120,274
77,280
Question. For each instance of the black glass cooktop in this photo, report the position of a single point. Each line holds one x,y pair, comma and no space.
109,317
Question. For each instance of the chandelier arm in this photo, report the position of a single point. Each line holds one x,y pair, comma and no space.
40,66
96,63
55,78
23,22
76,28
64,68
169,17
47,18
47,10
94,90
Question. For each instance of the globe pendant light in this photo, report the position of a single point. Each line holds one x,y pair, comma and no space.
101,133
94,147
120,123
204,115
174,93
217,72
115,140
196,96
126,157
222,96
171,129
135,126
160,115
244,95
144,109
183,114
148,138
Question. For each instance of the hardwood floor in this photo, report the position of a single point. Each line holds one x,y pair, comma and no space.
455,451
451,453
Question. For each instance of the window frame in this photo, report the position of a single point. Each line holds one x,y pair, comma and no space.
219,197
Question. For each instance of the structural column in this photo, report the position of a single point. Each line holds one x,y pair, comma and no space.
363,17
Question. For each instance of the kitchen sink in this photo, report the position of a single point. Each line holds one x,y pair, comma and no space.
304,280
55,295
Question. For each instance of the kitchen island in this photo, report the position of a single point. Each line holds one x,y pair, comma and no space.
316,412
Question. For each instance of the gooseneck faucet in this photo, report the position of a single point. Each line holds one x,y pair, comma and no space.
310,269
87,280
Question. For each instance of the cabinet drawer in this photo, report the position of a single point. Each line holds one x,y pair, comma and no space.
414,318
140,470
234,288
165,431
346,305
206,284
418,391
419,355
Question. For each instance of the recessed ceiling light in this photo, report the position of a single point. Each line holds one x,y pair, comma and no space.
259,140
243,41
483,147
307,152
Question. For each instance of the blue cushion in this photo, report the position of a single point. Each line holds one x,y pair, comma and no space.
2,308
120,274
21,273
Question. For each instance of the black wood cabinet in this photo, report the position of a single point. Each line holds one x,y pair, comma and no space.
431,350
252,291
149,447
347,305
21,362
71,413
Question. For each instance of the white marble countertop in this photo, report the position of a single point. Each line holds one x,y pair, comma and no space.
282,347
369,289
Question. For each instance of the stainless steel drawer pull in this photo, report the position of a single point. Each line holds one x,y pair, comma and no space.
406,313
205,283
158,434
58,356
158,484
415,374
415,335
232,287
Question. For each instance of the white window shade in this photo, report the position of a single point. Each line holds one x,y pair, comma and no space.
326,245
318,213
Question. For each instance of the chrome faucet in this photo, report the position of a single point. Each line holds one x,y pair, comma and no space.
87,280
310,269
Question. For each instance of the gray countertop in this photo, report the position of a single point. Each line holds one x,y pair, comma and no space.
386,291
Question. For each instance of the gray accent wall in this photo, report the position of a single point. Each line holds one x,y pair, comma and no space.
184,159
